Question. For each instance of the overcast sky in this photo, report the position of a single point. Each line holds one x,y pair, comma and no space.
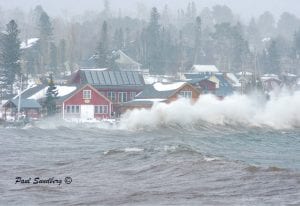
244,8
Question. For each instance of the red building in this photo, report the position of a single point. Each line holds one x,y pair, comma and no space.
271,83
162,92
29,108
118,86
86,103
204,85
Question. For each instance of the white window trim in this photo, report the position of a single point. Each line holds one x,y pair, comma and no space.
112,94
70,109
89,96
132,95
122,94
186,94
101,106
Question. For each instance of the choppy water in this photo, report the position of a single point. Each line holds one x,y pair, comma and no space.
169,165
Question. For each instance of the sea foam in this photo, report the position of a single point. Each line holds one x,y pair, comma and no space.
281,111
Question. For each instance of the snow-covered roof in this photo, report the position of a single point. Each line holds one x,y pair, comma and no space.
62,91
28,43
125,59
266,39
233,79
150,100
160,90
168,86
204,68
269,76
94,69
244,73
150,79
290,75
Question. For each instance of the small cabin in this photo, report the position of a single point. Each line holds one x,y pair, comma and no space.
29,108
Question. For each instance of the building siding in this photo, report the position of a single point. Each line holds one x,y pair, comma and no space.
96,99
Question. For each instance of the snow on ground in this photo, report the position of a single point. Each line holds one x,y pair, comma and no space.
168,86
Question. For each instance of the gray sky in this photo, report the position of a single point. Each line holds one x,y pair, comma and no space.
244,8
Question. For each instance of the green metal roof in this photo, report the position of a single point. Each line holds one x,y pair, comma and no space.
26,103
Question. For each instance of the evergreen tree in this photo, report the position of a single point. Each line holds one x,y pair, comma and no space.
287,25
51,96
102,49
273,57
223,14
62,53
45,30
118,39
296,45
53,57
266,25
153,39
10,55
198,47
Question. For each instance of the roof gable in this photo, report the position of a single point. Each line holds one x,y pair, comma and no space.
87,86
125,59
161,91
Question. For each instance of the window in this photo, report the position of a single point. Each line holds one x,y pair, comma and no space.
101,109
122,97
87,94
73,109
186,94
132,95
112,96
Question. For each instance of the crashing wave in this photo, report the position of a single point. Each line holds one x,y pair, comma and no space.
280,112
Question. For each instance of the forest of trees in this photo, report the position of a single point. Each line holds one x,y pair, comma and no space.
165,43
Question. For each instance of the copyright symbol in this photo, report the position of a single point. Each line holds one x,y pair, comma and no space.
68,180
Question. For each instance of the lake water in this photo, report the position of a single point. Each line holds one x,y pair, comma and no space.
167,156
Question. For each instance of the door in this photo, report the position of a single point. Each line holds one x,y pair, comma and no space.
87,112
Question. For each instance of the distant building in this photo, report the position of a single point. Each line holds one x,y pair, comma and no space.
220,88
204,85
28,107
86,103
29,43
270,82
233,80
162,92
204,69
125,63
118,86
37,93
